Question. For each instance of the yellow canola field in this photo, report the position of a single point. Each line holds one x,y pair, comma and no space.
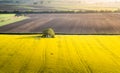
63,54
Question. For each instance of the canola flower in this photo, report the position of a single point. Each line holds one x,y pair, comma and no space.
62,54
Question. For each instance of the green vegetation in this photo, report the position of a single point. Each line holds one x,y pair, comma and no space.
10,18
48,33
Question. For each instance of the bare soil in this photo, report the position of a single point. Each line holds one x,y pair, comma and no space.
82,23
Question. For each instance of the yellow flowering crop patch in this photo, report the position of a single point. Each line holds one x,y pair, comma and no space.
63,54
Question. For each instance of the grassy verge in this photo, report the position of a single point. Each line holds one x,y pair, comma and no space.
6,19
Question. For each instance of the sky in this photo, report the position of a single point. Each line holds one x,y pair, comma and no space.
93,1
87,1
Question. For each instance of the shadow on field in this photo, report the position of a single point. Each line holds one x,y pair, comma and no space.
34,37
31,37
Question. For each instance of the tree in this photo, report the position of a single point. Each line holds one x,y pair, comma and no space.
17,2
48,33
19,14
41,2
49,1
35,3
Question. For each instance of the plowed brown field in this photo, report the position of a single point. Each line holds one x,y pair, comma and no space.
87,23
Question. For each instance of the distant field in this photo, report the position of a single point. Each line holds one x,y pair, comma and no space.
80,7
57,7
63,54
67,23
10,18
24,8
